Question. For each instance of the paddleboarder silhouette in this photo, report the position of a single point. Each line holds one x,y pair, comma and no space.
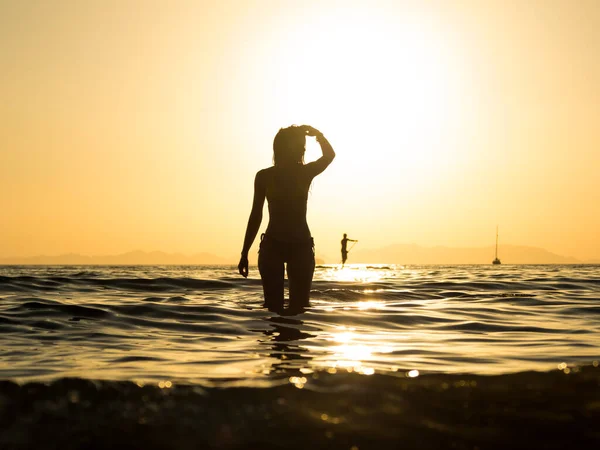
345,249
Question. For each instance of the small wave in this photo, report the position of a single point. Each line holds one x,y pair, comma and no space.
491,328
47,307
87,274
126,359
82,283
158,284
7,321
46,324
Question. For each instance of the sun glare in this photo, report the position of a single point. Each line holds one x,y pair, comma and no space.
373,85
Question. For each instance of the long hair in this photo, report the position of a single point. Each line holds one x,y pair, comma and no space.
289,146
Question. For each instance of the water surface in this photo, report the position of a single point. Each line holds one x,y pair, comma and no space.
206,324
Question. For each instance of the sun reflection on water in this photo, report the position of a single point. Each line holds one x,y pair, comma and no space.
370,304
352,351
356,273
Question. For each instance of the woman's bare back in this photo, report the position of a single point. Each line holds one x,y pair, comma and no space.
286,190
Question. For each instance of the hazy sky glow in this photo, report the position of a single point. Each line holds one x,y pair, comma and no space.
140,125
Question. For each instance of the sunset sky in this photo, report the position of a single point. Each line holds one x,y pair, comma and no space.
140,124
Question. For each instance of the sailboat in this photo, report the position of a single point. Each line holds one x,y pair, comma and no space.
496,260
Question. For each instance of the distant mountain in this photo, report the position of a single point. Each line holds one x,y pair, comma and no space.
129,258
393,254
415,254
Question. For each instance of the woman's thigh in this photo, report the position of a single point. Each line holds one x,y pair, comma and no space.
270,266
300,270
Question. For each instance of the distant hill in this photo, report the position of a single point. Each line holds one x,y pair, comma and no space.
393,254
415,254
129,258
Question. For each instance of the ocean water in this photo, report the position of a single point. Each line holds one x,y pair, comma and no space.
416,357
206,324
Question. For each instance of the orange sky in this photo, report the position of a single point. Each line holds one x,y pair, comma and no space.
140,125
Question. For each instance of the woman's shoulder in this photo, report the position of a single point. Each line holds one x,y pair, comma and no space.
263,176
265,172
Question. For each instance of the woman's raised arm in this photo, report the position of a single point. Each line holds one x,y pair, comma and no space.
318,166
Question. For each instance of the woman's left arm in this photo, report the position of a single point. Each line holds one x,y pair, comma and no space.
253,222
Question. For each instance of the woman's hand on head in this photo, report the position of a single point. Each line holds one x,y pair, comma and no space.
243,266
311,131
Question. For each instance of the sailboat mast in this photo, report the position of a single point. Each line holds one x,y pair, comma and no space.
496,241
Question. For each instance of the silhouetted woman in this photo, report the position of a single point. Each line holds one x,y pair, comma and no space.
287,239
